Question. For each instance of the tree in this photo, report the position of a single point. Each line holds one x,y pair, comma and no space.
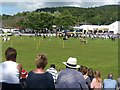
40,20
67,19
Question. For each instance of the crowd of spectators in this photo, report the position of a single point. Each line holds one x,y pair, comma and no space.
74,76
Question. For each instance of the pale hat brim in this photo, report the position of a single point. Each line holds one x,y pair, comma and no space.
77,66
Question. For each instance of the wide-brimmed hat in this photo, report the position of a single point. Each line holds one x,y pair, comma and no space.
72,63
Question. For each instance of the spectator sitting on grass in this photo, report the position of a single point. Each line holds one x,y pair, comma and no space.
10,71
109,83
23,78
53,71
39,78
69,77
85,74
118,82
96,83
90,74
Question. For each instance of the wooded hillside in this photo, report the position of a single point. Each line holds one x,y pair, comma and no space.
62,17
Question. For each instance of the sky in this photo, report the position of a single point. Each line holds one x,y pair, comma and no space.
12,7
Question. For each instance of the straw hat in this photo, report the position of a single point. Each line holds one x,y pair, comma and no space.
71,62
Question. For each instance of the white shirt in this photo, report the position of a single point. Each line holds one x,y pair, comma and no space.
9,72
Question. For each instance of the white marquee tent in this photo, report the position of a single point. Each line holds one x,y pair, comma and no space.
114,27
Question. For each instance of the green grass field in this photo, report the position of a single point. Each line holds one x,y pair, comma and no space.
97,54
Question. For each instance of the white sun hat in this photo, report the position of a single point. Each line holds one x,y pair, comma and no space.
72,63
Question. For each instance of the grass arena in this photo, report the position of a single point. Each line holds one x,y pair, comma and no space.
97,54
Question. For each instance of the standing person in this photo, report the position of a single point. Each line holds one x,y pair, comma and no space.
69,77
39,78
96,83
53,71
10,71
109,83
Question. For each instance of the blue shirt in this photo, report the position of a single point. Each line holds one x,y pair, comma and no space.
109,83
71,78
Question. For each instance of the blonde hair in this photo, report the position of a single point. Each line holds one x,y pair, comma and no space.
41,60
97,75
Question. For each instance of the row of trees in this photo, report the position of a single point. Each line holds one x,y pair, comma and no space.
41,20
62,17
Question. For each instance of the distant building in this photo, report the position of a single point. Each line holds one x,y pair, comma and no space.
112,28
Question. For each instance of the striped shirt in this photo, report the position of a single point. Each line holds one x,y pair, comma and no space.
53,71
